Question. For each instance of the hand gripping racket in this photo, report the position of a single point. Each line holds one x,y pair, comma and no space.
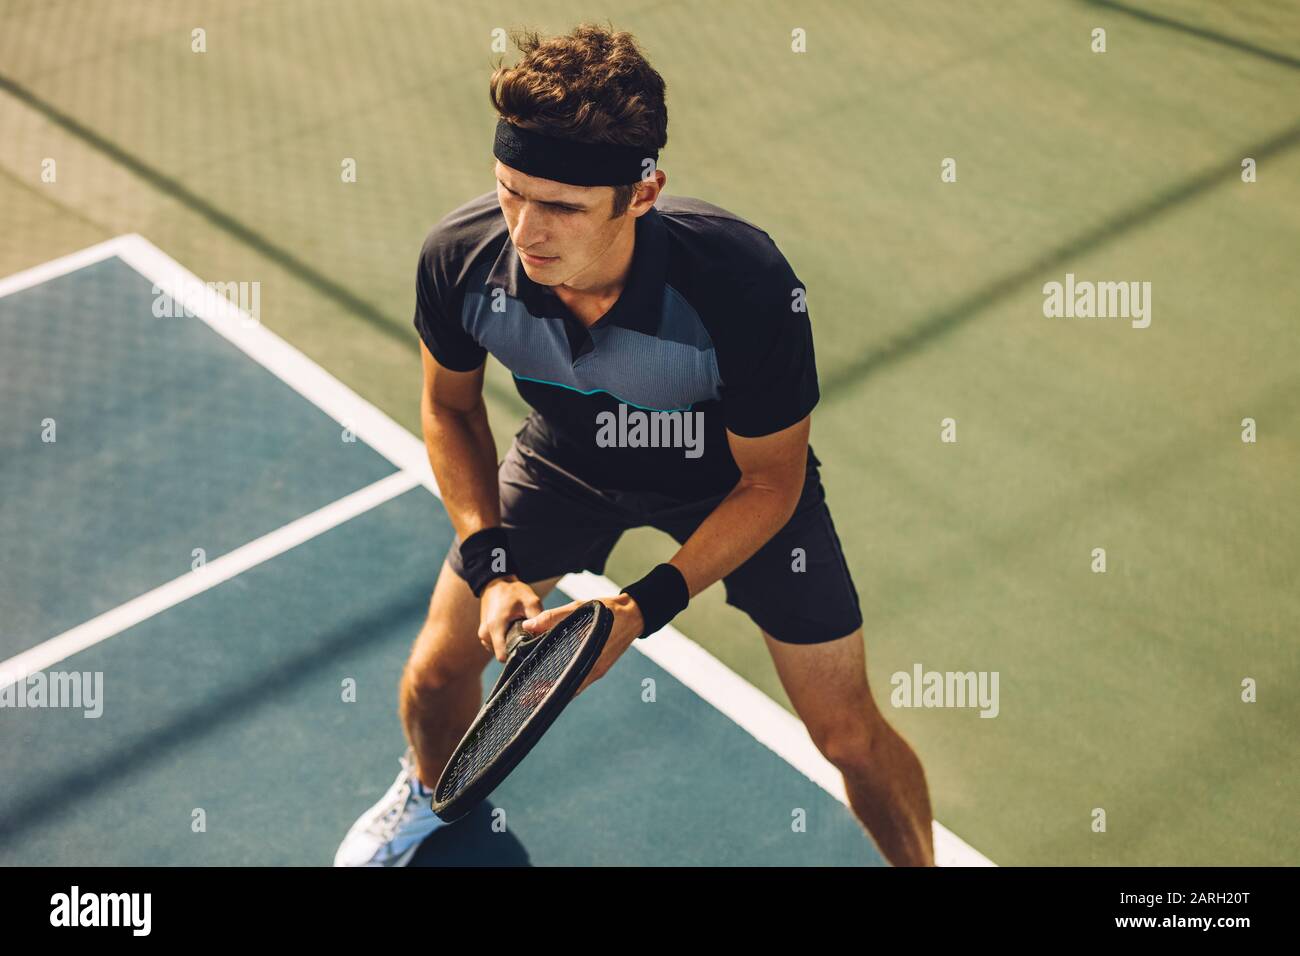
538,680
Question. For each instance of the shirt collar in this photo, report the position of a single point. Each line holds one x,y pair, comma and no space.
638,305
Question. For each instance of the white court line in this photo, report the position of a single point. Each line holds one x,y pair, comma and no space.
768,722
58,267
101,628
295,369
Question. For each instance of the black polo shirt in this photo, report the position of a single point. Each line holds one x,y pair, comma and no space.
709,334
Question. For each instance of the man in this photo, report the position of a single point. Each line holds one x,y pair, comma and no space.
664,347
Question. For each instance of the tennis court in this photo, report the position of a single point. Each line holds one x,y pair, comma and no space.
1120,691
223,735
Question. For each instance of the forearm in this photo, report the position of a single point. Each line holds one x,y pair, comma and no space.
742,523
464,460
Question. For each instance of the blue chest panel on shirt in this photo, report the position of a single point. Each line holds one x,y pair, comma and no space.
670,371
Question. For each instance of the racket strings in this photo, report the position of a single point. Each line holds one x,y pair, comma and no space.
525,692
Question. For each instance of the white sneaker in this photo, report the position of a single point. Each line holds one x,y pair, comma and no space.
389,833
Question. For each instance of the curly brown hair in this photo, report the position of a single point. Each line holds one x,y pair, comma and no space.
592,85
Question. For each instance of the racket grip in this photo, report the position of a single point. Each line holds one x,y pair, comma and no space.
515,635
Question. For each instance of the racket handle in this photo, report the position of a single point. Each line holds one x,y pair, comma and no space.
515,635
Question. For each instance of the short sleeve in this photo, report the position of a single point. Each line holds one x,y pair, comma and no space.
770,380
442,333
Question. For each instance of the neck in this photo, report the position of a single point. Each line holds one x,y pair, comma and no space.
606,276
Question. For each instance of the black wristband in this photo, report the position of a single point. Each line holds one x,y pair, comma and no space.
485,556
661,595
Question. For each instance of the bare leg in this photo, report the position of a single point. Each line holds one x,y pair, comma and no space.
442,683
883,778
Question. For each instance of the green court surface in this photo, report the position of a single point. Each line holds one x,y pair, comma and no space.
1119,691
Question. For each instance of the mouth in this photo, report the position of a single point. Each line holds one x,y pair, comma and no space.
537,260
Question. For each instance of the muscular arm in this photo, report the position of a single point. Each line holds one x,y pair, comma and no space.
772,474
772,470
459,443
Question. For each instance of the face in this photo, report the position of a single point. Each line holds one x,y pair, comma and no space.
560,231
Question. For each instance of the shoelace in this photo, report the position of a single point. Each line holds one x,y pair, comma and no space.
386,826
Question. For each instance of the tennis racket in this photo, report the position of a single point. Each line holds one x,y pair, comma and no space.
540,677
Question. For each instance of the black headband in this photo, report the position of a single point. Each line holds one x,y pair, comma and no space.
568,161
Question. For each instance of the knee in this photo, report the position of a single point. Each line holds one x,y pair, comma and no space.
427,678
850,744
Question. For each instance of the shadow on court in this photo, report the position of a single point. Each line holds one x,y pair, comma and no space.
472,841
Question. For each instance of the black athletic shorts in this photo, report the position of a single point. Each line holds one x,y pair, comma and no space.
556,524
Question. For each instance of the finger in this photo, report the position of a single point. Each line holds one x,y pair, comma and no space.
533,606
498,630
545,620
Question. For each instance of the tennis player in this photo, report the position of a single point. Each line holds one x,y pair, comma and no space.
665,349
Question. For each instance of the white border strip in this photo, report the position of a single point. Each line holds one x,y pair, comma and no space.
101,628
298,371
59,267
768,722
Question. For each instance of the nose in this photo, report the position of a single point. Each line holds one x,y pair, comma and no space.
529,232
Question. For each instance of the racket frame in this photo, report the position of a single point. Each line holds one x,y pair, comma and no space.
521,646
